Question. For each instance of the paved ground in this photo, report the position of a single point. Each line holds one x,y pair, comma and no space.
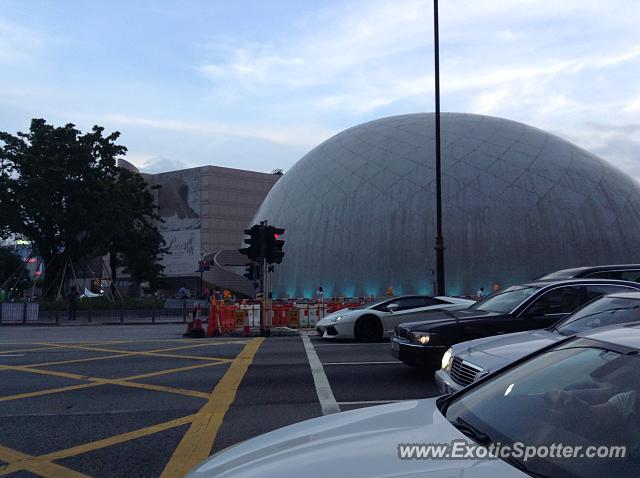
110,401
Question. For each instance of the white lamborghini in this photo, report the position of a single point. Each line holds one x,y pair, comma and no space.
377,319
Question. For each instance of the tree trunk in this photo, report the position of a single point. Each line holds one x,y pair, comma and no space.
113,265
54,266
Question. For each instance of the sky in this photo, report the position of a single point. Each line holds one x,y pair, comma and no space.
255,84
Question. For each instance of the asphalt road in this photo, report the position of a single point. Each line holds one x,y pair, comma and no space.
111,401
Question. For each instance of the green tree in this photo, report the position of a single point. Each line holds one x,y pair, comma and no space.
63,191
12,270
136,244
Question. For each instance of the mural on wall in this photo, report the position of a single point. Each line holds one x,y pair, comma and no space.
179,207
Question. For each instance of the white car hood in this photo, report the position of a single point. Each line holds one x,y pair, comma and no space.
327,319
492,353
360,443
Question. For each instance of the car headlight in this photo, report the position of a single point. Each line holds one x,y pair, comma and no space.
335,319
446,359
420,338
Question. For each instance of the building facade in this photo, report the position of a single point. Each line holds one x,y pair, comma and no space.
204,210
359,209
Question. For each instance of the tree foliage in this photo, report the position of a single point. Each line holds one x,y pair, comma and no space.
12,270
64,191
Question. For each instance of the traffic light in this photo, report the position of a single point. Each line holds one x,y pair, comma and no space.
252,272
255,251
273,245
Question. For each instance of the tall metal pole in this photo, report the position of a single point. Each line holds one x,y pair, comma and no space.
439,239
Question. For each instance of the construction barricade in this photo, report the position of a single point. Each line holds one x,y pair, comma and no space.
252,312
227,315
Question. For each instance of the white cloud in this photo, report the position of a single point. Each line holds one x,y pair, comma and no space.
18,44
284,134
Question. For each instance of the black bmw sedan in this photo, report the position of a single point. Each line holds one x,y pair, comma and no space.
424,338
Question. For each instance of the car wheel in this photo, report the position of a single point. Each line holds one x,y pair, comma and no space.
368,329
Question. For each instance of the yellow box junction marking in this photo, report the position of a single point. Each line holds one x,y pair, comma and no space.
21,461
194,447
196,443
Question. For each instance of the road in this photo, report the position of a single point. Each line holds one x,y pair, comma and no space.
111,401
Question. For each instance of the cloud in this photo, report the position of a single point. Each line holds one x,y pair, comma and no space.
18,44
284,134
160,164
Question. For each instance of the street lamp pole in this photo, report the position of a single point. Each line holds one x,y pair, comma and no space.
440,290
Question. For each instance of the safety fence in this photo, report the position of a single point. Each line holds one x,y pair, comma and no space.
225,315
233,317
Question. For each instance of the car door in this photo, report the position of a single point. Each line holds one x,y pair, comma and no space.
554,305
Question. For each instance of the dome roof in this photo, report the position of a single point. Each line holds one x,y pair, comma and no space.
359,209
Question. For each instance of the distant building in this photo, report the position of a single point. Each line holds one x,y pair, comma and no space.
359,209
205,210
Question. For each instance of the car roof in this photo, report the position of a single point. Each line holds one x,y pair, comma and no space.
624,295
578,271
550,282
626,335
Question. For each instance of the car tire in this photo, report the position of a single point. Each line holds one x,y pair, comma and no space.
368,329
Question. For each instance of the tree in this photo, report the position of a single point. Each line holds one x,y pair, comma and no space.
63,191
12,270
136,244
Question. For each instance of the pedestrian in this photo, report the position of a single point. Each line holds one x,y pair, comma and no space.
320,295
218,294
73,297
480,294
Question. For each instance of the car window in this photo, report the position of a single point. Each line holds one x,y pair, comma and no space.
632,275
506,300
595,291
561,300
601,313
409,303
372,305
585,396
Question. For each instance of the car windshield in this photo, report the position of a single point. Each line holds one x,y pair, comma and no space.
581,396
564,274
506,300
601,313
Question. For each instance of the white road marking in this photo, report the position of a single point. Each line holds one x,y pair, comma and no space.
363,363
371,402
11,355
323,388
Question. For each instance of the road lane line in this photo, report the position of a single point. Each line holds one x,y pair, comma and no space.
116,439
37,349
21,461
124,381
323,388
196,443
364,363
48,391
150,353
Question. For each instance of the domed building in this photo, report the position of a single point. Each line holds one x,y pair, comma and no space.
359,209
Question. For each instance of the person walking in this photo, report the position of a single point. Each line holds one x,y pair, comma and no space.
480,294
320,295
73,297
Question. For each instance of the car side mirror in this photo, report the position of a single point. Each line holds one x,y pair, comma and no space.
392,307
